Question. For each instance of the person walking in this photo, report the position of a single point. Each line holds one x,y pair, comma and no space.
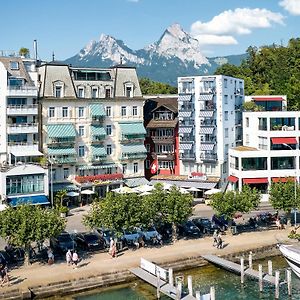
215,238
4,273
219,241
114,251
111,246
69,257
75,259
50,257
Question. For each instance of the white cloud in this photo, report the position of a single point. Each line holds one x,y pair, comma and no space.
239,21
292,6
212,39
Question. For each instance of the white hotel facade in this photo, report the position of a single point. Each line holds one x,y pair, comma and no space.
210,117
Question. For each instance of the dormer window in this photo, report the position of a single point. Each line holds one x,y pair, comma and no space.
128,90
107,92
58,91
80,92
14,65
94,92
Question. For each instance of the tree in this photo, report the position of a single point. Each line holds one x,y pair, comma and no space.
24,52
282,195
59,198
150,87
25,224
251,106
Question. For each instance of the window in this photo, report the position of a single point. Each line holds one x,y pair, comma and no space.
226,148
247,122
147,164
80,112
134,111
108,149
108,129
81,151
65,111
107,92
225,82
81,172
226,99
58,91
135,167
128,91
148,148
123,111
81,92
226,115
51,112
94,92
247,139
226,132
225,167
124,168
14,65
66,173
81,130
108,111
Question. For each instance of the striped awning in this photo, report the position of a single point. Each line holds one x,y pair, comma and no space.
206,130
69,187
132,128
206,97
185,129
131,149
87,167
207,147
97,110
61,131
184,114
61,151
206,113
186,146
186,97
98,130
98,150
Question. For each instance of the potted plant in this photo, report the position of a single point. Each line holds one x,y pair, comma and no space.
63,211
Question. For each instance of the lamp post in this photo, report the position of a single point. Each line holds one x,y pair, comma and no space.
51,180
295,187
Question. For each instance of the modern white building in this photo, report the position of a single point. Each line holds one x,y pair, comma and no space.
22,177
93,133
209,123
271,146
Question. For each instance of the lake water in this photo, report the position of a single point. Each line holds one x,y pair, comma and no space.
227,286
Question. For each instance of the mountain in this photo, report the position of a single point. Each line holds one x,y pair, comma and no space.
175,54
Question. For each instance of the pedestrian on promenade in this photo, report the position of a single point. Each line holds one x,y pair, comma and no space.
219,241
50,256
215,237
75,259
69,257
4,274
111,246
114,250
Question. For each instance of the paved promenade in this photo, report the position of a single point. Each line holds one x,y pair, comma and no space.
101,263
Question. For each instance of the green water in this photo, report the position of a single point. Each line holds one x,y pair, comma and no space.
227,286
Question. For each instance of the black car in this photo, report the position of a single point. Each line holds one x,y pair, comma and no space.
90,241
204,225
189,229
63,243
106,234
165,230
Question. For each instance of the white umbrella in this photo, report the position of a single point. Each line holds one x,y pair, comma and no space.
193,189
144,188
145,194
183,191
166,186
72,194
123,190
3,207
87,192
212,191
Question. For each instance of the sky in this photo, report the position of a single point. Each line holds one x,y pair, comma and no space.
223,27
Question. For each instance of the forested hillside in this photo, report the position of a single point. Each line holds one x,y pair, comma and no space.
270,70
150,87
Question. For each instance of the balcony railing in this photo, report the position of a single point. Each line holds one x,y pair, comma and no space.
187,156
64,159
22,90
163,139
128,156
204,91
97,158
23,128
208,156
22,109
209,106
166,156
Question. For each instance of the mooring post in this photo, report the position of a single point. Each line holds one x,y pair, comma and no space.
242,270
260,278
276,284
198,295
289,281
212,293
250,260
190,285
171,280
158,285
179,290
270,268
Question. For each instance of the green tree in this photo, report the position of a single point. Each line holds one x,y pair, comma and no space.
251,106
59,198
150,87
24,52
25,224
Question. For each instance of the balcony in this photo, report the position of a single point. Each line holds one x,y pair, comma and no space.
205,91
133,138
208,157
163,139
129,156
165,156
211,140
187,156
22,128
208,106
23,147
99,178
22,90
18,110
66,159
95,158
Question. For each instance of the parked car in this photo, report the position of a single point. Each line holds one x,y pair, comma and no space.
219,222
63,242
165,230
130,237
106,234
5,258
151,235
90,241
204,225
189,229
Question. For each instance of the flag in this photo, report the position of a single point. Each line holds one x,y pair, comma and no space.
154,167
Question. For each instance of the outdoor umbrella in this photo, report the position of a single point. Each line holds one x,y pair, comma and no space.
193,189
144,188
87,192
212,191
123,190
72,194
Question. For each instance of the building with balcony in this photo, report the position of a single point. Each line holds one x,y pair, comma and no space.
93,131
161,122
23,179
210,119
271,147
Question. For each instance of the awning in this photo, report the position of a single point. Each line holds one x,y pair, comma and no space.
232,179
61,131
185,129
61,151
185,97
130,149
98,151
134,182
184,114
97,167
206,97
267,99
25,152
64,186
284,140
33,200
185,146
206,113
283,179
207,130
132,128
255,180
97,110
98,130
207,147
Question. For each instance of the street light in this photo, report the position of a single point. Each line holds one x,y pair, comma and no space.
51,179
295,186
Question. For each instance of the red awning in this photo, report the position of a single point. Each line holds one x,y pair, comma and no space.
268,99
284,140
283,179
232,179
255,180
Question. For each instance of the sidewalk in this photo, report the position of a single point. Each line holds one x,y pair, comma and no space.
41,274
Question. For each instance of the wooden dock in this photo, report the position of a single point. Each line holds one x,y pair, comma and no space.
236,268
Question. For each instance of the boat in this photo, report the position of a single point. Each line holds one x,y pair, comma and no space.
292,255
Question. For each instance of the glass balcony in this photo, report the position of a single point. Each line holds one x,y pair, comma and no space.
254,163
24,109
208,156
22,90
282,163
22,128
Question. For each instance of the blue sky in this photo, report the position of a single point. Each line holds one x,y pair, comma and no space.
222,27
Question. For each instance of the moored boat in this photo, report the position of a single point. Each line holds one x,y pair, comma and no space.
292,255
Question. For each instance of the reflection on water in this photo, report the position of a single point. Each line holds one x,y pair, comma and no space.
227,286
